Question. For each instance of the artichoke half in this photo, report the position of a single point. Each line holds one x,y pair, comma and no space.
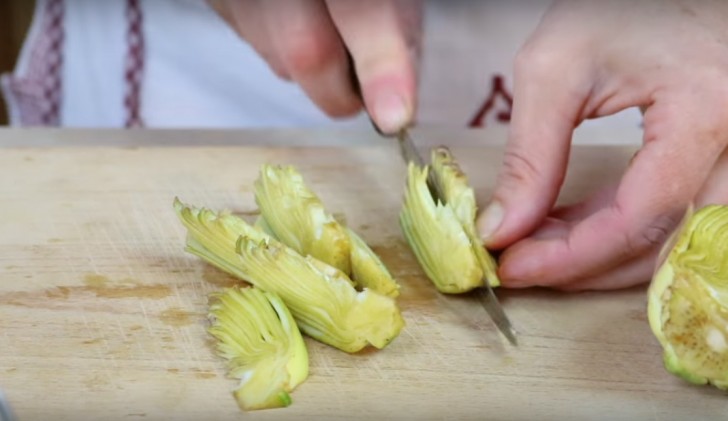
263,346
443,237
688,299
295,216
321,298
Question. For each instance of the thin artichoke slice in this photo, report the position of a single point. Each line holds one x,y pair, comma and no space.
368,270
292,213
296,216
461,197
212,235
688,299
262,344
443,236
321,298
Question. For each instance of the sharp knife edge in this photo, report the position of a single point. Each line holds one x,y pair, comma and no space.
488,298
410,154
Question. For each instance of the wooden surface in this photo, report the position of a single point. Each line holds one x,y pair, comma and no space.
102,314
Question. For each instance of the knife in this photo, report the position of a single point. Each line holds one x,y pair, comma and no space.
409,153
487,297
5,413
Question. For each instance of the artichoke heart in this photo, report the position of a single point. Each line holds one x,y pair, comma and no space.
295,216
443,236
264,348
688,299
321,298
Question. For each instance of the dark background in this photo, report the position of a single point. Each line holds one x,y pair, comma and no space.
15,17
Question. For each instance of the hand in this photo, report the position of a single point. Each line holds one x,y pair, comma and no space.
306,41
592,58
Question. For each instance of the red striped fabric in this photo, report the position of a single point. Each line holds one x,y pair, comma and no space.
37,94
134,68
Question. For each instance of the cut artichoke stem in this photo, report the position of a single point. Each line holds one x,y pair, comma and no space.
321,298
298,219
443,237
295,216
688,299
258,337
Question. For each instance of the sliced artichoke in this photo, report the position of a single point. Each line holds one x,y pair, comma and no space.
219,233
688,299
260,340
321,298
443,236
368,270
295,216
298,219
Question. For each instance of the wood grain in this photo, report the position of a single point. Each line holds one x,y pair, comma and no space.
102,314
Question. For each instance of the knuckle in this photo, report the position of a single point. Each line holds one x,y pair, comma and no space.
532,59
654,234
519,168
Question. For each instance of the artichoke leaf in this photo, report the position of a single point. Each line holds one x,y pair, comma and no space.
297,217
262,344
321,298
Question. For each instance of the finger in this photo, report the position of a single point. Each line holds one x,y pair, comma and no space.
662,179
546,108
381,36
635,272
245,17
592,204
312,52
624,275
641,269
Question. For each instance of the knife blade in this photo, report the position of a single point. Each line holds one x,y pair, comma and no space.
5,413
409,153
488,299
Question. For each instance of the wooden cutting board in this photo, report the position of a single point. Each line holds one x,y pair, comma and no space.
102,313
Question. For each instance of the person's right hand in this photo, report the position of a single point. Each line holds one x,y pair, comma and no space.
306,41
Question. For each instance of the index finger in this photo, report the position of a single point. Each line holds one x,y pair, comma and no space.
382,37
681,146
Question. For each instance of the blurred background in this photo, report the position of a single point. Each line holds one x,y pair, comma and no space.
15,17
177,64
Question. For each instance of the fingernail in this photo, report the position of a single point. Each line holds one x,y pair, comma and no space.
491,220
391,112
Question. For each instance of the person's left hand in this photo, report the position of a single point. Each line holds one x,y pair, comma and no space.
588,59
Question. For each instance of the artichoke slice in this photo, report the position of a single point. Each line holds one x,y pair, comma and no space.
368,270
298,218
688,299
212,235
264,348
295,216
440,235
321,298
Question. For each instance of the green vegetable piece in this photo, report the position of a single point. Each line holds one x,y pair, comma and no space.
688,299
264,348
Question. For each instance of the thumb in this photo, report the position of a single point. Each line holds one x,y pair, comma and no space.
546,108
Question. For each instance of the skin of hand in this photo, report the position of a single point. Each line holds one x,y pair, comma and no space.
306,41
589,59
